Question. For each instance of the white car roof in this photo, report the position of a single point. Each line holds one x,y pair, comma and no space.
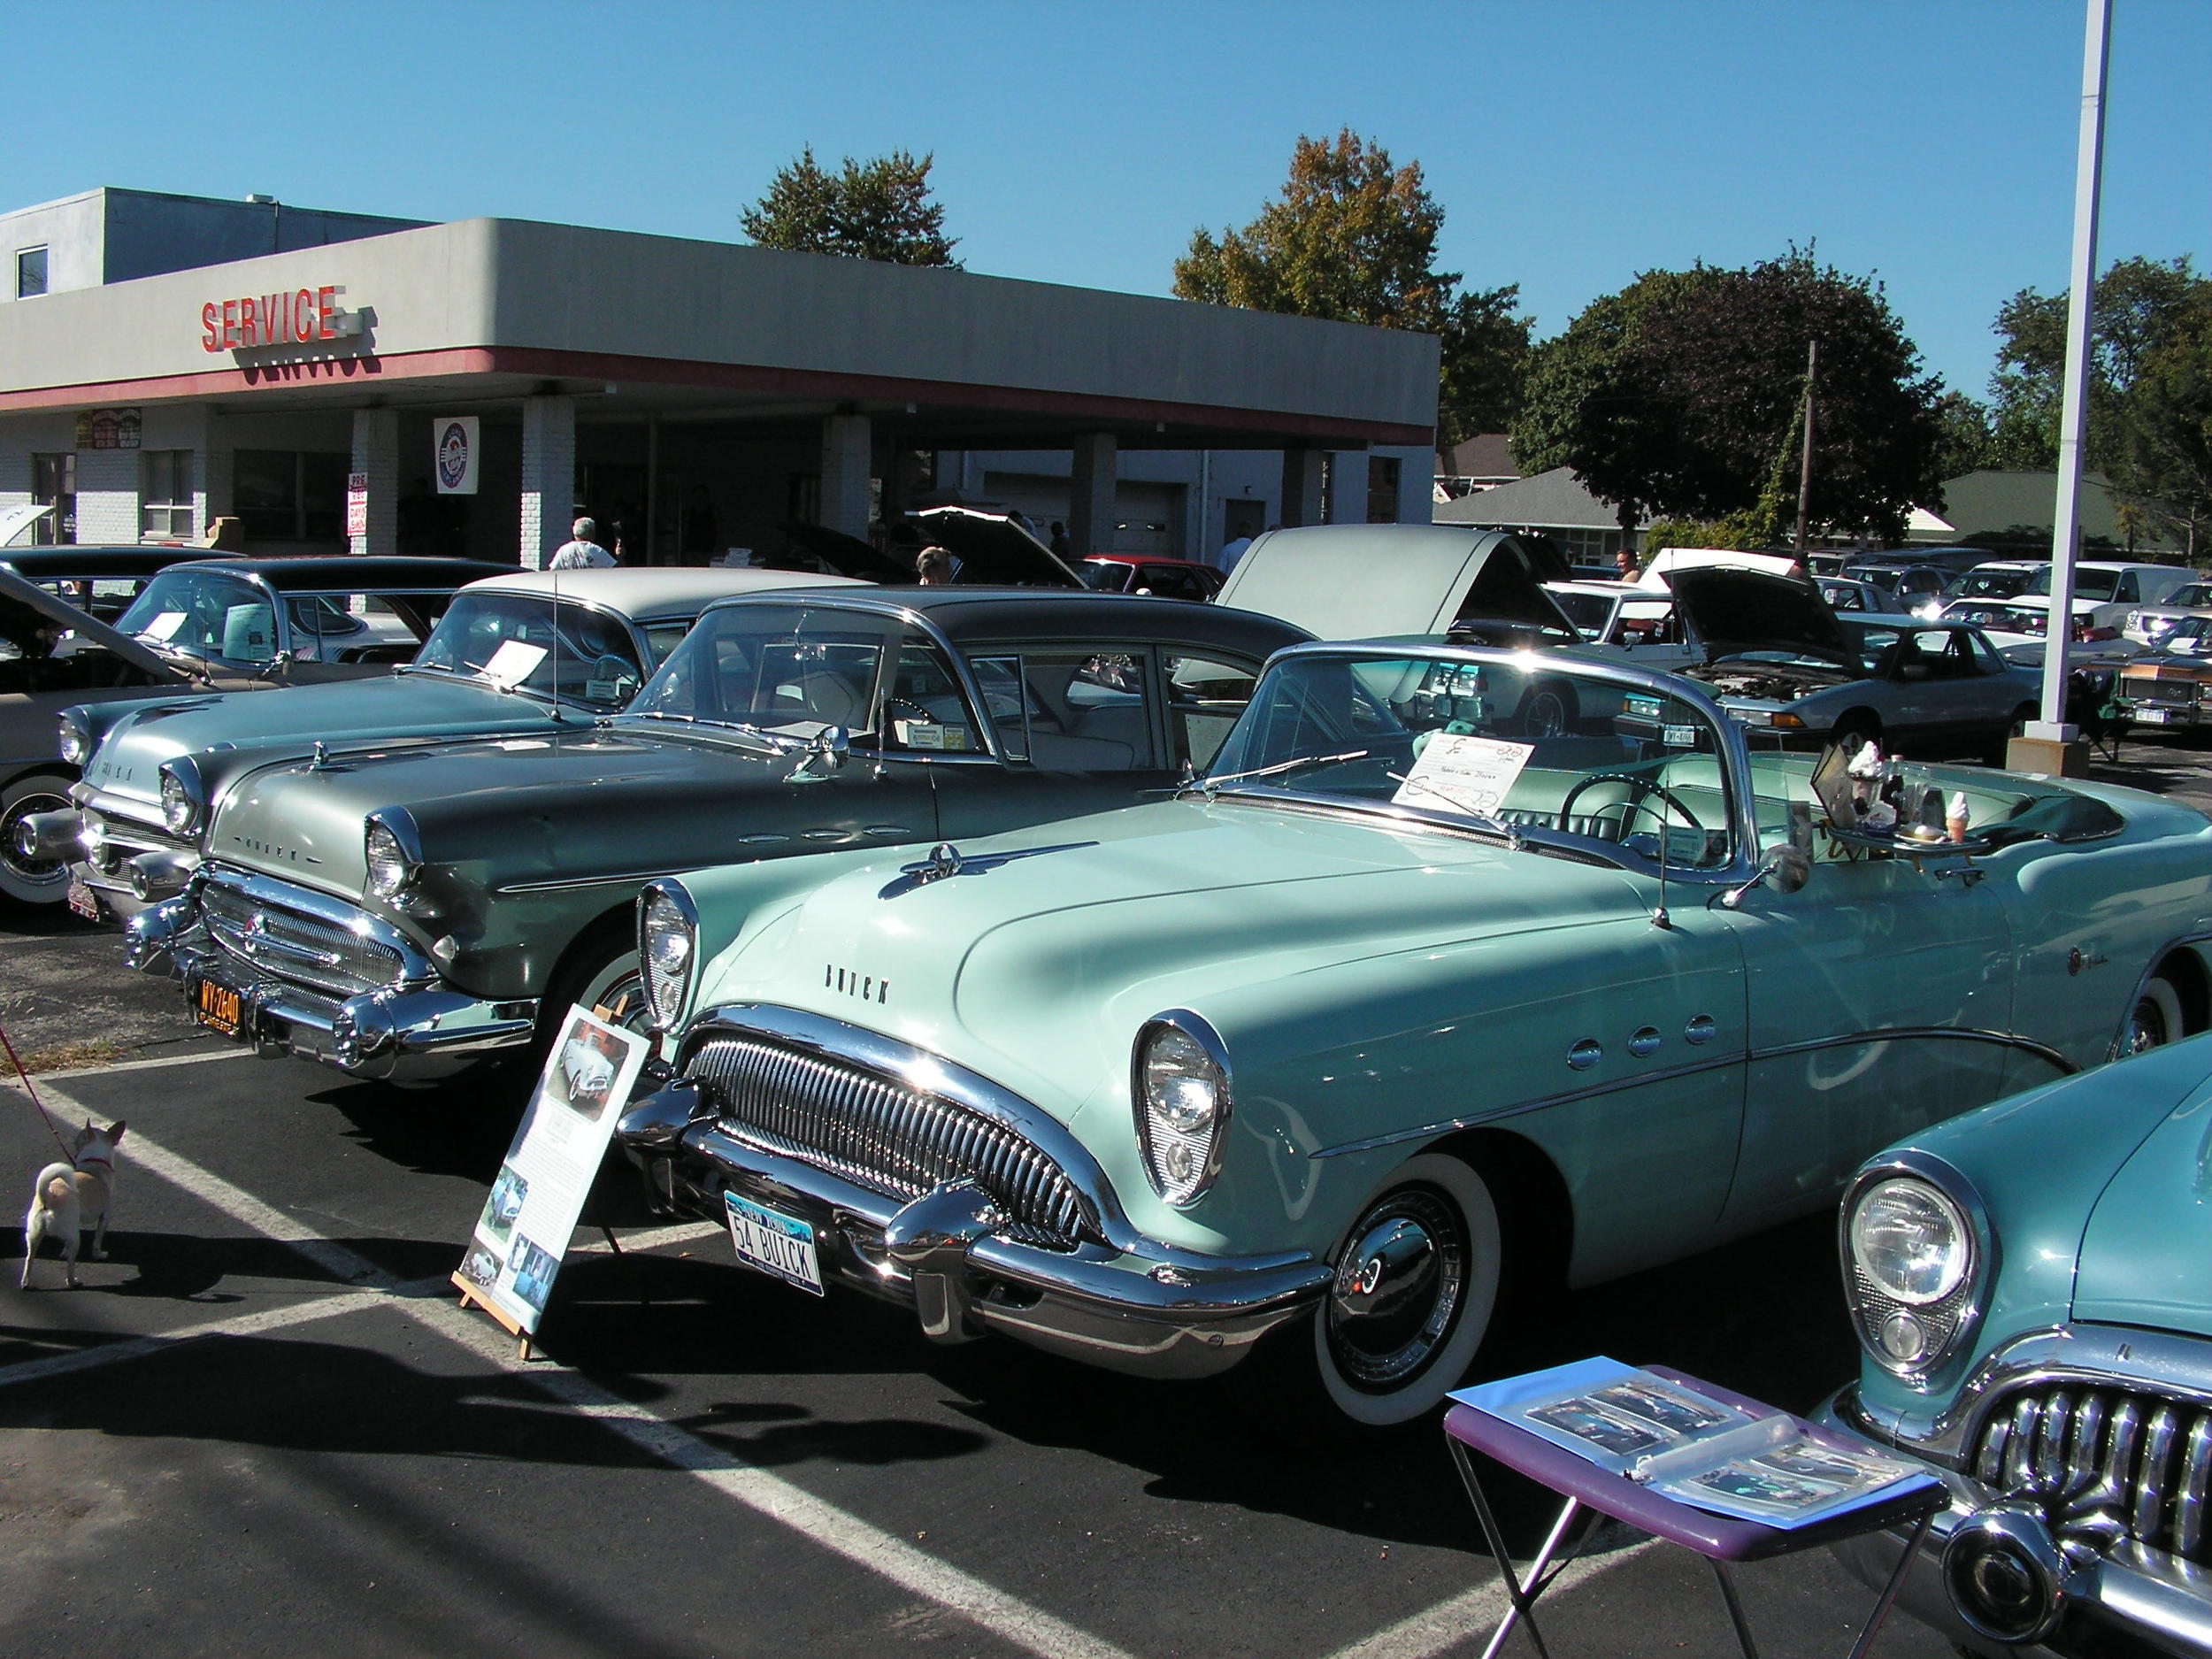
656,594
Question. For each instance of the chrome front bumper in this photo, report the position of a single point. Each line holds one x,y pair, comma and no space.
1154,1312
414,1031
2129,1595
125,864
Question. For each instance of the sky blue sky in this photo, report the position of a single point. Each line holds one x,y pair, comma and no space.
1571,143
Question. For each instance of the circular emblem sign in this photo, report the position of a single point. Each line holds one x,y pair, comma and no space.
453,455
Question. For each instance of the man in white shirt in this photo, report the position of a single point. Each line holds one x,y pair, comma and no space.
582,553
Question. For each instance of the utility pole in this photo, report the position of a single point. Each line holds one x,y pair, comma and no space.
2050,744
1805,465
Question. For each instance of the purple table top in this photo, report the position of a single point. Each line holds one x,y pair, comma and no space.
1720,1536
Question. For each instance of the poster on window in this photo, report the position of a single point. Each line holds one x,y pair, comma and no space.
357,503
455,441
538,1197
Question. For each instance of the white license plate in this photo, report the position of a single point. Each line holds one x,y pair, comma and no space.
82,902
767,1240
2154,716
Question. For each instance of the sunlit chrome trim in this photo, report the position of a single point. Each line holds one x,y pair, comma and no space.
679,896
1983,1257
1200,1031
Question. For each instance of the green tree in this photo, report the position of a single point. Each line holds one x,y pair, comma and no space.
1682,395
1353,238
1965,443
880,208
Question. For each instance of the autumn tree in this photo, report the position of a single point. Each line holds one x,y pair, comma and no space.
882,209
1682,395
1353,238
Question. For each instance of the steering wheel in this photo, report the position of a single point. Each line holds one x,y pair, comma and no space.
1640,792
916,710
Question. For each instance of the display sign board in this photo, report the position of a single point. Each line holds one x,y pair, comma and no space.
357,503
455,438
108,429
523,1233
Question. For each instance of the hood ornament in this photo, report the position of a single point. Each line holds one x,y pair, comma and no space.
944,860
322,757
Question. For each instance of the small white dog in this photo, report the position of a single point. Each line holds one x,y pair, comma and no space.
71,1197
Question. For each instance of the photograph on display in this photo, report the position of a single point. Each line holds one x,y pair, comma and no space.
1582,1420
506,1202
533,1272
480,1267
590,1057
1754,1484
1676,1411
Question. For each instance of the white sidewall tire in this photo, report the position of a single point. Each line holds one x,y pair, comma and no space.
2162,998
34,792
1478,1215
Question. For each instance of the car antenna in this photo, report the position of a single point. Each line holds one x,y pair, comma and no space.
1661,917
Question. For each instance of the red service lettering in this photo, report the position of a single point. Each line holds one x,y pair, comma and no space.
324,328
303,313
248,319
230,324
210,336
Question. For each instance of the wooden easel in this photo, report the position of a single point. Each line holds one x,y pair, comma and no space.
471,1295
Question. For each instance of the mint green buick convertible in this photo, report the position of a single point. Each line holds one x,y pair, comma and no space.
1394,999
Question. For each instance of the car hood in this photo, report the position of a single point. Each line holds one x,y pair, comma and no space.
294,718
994,548
2147,1254
1037,961
846,555
1730,612
26,607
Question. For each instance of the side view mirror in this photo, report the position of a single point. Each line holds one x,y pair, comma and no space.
1784,866
824,756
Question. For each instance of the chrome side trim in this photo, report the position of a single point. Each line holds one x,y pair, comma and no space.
566,884
2042,1051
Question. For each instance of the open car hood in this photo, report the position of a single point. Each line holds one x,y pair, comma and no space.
994,548
1730,612
846,555
15,520
25,608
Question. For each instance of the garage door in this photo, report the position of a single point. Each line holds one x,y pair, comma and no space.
1147,518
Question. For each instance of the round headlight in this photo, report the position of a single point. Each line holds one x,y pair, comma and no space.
180,800
389,868
1911,1242
1180,1089
668,951
76,742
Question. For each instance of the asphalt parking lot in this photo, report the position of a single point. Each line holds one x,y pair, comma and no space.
263,1425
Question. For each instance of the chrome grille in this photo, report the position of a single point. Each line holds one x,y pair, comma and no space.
895,1140
2181,693
298,948
2106,1464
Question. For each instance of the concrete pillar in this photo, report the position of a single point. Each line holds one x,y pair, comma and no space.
107,495
376,453
1093,473
1302,488
214,474
1348,487
548,477
848,466
1417,483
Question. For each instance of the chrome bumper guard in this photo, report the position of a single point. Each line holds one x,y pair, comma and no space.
408,1033
2141,1598
1163,1313
50,835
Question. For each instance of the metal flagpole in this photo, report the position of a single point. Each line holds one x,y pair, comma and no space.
2047,740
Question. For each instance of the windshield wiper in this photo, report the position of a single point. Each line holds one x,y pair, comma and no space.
774,743
1211,786
1513,836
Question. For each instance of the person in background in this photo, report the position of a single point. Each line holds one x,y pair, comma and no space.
580,551
701,530
1624,562
1060,539
933,565
1232,551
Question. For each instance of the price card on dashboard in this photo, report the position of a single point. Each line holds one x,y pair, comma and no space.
163,626
1476,773
512,662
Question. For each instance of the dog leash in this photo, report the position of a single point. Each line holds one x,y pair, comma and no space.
31,1089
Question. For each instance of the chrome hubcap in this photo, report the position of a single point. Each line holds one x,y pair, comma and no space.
1398,1289
2146,1027
27,868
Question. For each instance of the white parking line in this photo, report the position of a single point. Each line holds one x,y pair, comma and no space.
1006,1616
43,1077
1472,1614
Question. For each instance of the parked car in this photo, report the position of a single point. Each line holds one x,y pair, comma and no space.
1138,573
301,619
995,546
1994,578
517,655
395,910
2169,686
2106,592
1392,1002
52,655
2149,625
1848,593
1625,619
102,581
1784,664
2028,1287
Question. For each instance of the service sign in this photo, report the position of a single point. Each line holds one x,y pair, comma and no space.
455,438
538,1198
296,317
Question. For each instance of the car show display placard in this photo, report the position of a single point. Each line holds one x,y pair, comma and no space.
454,437
535,1202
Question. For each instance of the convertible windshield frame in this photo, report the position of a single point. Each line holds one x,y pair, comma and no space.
557,606
1730,755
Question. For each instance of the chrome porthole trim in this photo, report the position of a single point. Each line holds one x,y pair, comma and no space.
1701,1030
1644,1041
1585,1054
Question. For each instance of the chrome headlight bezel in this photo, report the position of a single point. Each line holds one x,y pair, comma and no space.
73,738
1912,1331
391,853
183,797
667,951
1181,1132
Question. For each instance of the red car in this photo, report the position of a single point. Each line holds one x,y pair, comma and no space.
1133,573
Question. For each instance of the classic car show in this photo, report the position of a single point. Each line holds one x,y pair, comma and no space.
1255,853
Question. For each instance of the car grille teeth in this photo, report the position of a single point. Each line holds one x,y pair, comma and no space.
301,950
2106,1464
900,1141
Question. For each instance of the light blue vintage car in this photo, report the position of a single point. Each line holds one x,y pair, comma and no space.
1399,995
2031,1285
518,655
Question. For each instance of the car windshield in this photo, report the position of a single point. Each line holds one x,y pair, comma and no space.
1108,577
2088,584
577,654
1988,584
788,671
2191,635
1884,577
220,617
1990,615
1533,748
1589,612
2191,595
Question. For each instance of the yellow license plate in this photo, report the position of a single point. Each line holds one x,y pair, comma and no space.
218,1008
